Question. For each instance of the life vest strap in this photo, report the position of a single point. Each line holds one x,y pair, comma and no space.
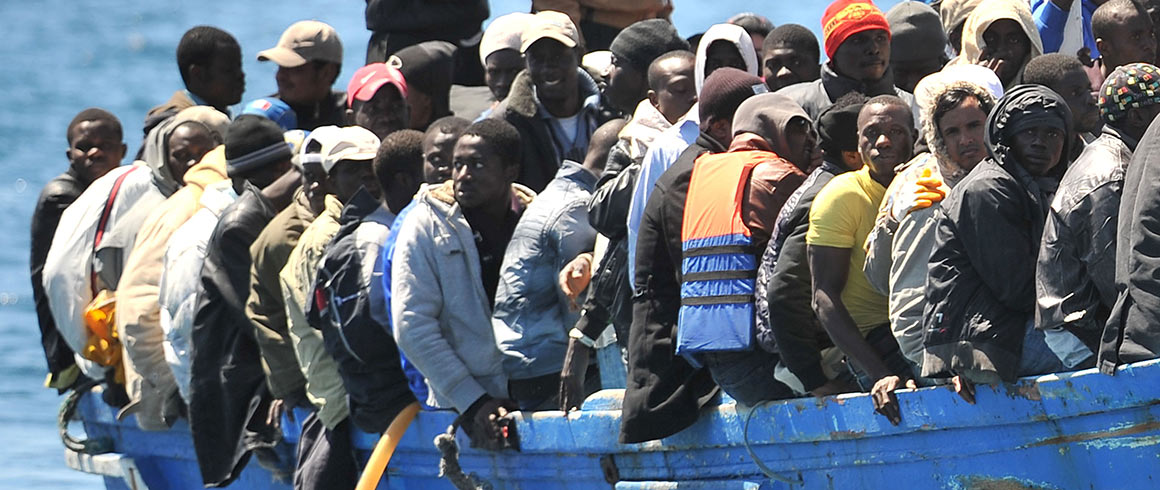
717,300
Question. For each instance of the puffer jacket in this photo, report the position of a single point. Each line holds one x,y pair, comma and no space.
180,281
227,386
1131,333
323,383
819,94
980,297
444,330
148,380
55,197
1075,278
367,356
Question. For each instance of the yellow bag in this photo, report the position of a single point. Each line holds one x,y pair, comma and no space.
102,344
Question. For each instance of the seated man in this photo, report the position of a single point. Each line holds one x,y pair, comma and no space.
980,292
309,58
210,62
851,312
1075,274
857,42
955,113
554,103
445,273
95,147
917,43
785,322
790,55
532,315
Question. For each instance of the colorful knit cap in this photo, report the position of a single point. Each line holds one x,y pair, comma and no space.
1128,87
844,18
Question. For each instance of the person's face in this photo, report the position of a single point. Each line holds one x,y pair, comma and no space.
187,144
1153,9
677,92
304,84
263,177
1005,49
552,67
802,143
908,73
384,114
500,70
94,149
721,54
316,185
626,85
1075,87
863,56
438,154
783,66
962,130
481,177
885,139
1133,42
1038,149
223,78
421,109
348,175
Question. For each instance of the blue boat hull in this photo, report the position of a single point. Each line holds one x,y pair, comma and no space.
1074,430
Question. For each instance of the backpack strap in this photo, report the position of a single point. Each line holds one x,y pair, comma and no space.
104,223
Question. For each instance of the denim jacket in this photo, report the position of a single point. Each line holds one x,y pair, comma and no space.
532,315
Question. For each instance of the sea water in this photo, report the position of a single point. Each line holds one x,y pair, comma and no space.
58,57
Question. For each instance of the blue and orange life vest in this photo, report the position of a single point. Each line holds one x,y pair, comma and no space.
718,265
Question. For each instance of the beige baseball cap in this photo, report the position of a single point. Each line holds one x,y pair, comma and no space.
307,40
350,143
552,25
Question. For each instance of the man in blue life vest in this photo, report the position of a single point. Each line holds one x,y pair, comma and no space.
729,213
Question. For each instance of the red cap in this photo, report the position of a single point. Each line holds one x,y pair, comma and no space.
844,18
367,80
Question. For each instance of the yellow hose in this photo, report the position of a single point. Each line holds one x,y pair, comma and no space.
377,464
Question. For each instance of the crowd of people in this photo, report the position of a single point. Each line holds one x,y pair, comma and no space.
955,194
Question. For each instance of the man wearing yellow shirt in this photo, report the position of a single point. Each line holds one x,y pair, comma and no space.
851,311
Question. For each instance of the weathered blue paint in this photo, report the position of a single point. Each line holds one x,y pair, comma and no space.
1075,430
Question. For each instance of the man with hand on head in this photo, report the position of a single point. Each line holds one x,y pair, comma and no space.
309,58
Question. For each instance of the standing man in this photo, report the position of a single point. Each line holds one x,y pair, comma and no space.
309,58
210,62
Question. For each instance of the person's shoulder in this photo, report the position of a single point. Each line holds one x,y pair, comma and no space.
801,89
63,187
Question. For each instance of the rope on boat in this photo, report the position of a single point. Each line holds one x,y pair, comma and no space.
68,409
449,462
766,470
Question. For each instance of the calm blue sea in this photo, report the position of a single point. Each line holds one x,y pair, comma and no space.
60,57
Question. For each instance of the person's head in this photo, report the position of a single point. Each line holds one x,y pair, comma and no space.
376,99
670,84
917,43
886,135
724,45
309,58
1066,76
1152,7
1001,35
953,14
723,93
439,148
784,126
958,124
315,182
429,68
188,142
790,56
348,162
600,145
1029,127
633,50
857,39
95,144
756,25
1124,33
256,151
551,47
398,167
499,52
275,110
837,129
210,62
173,146
486,161
1130,98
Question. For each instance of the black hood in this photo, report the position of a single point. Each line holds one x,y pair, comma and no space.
1020,106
